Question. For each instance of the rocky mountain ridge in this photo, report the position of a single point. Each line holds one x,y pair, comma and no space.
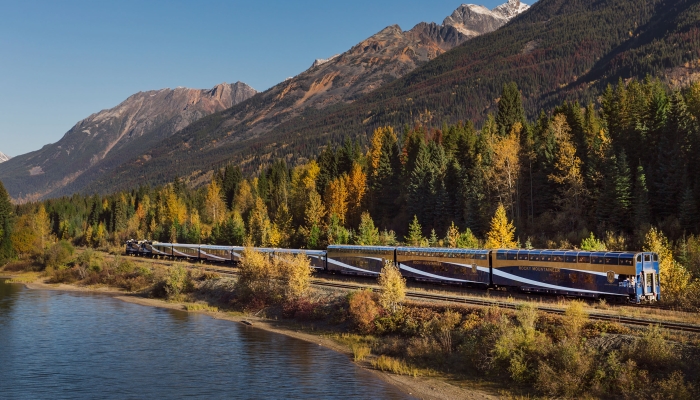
462,84
3,157
87,154
107,138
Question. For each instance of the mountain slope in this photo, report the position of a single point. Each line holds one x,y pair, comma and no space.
3,157
558,50
372,63
101,142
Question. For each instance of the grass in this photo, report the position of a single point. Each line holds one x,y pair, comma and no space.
399,367
26,277
360,352
200,307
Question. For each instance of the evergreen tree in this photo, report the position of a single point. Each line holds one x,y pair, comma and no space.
6,224
689,212
415,234
623,193
230,183
642,213
367,233
510,109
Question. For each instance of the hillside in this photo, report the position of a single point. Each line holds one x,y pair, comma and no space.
341,79
557,50
101,142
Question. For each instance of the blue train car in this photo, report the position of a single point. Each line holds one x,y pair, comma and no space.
359,260
160,249
455,266
132,247
578,273
216,253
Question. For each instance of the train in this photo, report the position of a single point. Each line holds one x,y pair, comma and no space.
611,275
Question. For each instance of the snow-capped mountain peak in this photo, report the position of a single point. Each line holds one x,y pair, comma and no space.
4,158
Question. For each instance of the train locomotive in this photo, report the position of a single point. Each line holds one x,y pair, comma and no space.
621,276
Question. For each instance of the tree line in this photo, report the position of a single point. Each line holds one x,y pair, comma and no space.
603,175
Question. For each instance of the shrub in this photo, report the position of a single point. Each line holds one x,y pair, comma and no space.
363,310
296,275
58,254
565,372
258,279
575,317
176,282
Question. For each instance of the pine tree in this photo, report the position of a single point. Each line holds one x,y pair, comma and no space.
231,182
623,193
502,233
6,224
689,212
510,109
367,233
415,234
641,214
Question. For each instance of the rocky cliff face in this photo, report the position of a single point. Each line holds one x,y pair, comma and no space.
104,140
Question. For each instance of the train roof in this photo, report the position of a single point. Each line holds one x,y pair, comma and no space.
352,247
615,254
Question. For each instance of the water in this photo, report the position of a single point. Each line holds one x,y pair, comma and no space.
70,345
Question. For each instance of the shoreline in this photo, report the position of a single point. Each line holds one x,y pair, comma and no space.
419,387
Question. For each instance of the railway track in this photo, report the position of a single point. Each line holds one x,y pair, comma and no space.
639,322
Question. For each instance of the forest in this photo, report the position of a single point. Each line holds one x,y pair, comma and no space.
618,174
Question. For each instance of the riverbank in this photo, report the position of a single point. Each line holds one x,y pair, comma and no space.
422,387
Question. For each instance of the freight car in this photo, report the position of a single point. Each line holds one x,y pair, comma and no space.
610,275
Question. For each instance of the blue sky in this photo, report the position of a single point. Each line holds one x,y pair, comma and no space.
61,61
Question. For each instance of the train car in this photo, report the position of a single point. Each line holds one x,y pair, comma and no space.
144,250
186,250
359,260
161,249
614,275
216,253
132,247
317,258
453,266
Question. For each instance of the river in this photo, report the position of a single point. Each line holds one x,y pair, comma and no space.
74,345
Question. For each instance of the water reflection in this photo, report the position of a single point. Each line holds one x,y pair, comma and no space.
67,345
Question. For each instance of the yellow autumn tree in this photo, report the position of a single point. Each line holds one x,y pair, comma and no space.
379,137
568,174
303,183
337,198
356,187
393,287
674,278
315,210
259,225
502,233
244,200
175,208
214,205
505,167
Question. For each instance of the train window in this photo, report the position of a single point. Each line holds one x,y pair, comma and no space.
534,257
597,260
647,257
522,256
584,259
611,260
639,258
656,257
626,261
512,255
556,258
501,256
546,257
570,259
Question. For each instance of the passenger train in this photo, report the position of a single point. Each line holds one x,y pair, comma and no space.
610,275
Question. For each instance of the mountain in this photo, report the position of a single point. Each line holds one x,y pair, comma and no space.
555,51
341,79
4,158
102,141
